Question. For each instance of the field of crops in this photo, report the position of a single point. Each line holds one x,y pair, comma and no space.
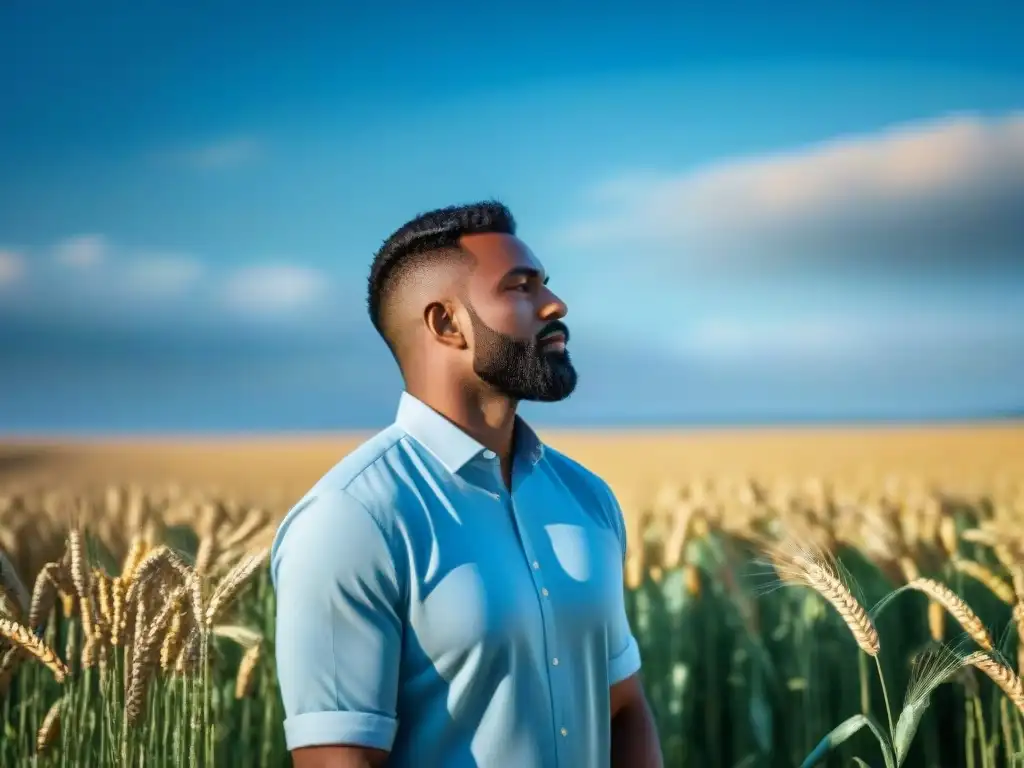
136,626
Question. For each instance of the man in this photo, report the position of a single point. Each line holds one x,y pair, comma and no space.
450,594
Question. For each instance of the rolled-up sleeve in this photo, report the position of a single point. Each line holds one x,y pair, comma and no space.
624,653
338,624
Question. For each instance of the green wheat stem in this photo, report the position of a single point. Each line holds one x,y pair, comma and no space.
885,694
969,735
980,722
865,693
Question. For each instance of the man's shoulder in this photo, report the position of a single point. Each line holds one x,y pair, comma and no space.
590,489
363,482
368,460
572,472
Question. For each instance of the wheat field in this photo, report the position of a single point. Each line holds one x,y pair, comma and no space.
801,597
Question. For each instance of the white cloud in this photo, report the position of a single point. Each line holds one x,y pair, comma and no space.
274,289
220,155
944,193
82,251
12,267
162,274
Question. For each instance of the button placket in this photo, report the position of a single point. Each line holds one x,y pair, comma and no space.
550,638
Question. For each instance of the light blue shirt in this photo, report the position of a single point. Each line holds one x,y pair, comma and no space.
425,610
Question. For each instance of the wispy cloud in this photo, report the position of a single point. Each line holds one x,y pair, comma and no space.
944,194
82,251
220,155
12,267
162,274
102,281
273,289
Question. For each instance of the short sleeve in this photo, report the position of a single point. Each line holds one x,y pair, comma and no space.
338,625
624,653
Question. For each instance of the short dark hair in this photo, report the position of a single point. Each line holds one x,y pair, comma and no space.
423,238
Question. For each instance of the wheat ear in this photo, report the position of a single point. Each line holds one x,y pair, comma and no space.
246,672
956,608
136,552
44,594
143,652
817,573
22,636
1001,675
985,576
50,728
232,584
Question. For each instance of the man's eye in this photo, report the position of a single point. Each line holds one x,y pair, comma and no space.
521,287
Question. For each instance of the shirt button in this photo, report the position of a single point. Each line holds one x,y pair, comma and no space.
565,732
489,454
544,591
536,565
554,662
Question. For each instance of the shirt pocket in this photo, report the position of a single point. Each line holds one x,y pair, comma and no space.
587,565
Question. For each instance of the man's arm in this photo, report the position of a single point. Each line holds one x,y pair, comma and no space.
635,741
338,757
339,632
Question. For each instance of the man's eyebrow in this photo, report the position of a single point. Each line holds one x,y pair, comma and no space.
525,272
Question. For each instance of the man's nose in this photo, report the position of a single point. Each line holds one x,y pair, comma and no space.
553,308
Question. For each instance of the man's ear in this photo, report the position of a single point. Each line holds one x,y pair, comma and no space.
443,324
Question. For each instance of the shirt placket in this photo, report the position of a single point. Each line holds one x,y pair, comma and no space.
553,665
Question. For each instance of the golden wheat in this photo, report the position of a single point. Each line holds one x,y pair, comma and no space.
246,668
955,607
813,570
985,576
49,730
1001,675
22,637
232,584
143,653
44,594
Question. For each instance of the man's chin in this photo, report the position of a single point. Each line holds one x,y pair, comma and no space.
560,386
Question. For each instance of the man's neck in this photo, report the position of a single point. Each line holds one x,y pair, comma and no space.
485,416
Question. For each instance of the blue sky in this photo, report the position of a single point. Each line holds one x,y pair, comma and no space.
754,214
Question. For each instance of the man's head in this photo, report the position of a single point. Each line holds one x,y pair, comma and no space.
456,289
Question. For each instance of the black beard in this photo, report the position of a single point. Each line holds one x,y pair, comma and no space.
520,370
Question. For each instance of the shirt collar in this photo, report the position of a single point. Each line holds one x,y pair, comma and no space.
453,447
